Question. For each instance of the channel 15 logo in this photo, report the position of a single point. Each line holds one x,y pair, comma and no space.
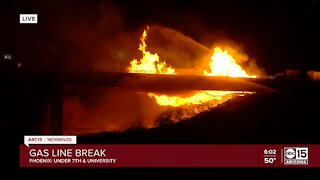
295,156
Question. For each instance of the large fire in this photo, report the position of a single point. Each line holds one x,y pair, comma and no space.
221,64
149,63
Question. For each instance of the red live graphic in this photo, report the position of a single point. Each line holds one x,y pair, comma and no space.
170,155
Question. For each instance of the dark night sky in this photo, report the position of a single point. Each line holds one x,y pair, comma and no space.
279,34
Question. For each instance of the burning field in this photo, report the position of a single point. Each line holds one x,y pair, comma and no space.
117,109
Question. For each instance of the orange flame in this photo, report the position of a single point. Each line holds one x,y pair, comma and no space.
222,64
149,63
198,98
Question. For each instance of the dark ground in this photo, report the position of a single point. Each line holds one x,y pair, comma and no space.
285,117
